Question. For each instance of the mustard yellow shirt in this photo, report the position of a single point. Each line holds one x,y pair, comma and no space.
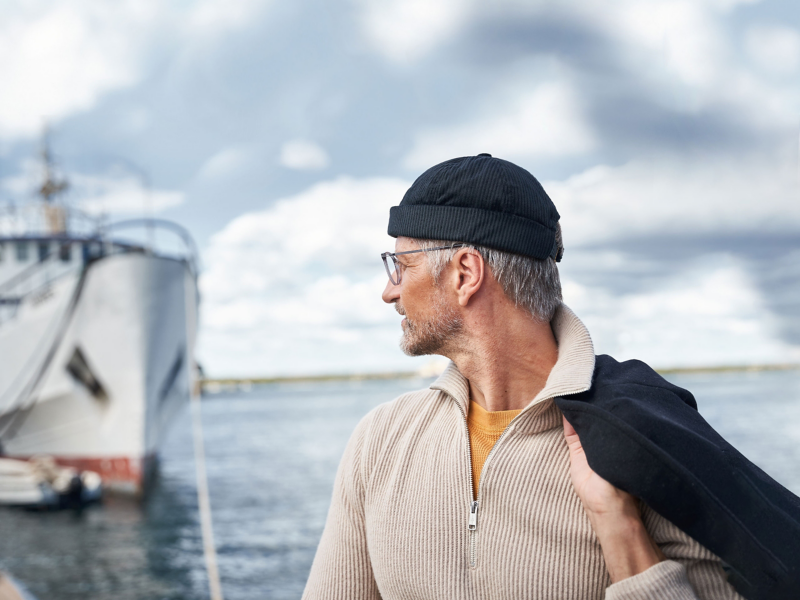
485,428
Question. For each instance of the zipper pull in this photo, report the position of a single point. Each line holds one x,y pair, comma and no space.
473,516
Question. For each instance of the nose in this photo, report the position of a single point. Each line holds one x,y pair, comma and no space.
391,292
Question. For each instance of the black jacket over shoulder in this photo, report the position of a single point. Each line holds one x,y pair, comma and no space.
645,436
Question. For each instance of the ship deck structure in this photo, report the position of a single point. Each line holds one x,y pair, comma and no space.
97,334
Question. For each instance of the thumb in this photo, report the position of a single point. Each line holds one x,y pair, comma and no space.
570,435
569,430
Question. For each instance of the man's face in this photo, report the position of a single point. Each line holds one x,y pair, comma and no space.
432,324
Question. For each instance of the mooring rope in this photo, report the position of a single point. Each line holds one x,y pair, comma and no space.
209,548
203,502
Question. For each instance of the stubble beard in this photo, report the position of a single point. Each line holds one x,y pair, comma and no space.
437,335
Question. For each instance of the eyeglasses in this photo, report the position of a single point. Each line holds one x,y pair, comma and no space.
394,272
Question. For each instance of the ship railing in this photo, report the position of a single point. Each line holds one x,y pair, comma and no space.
39,277
25,219
19,219
188,253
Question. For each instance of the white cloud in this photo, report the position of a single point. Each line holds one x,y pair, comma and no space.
689,58
710,313
306,272
116,192
681,53
295,288
406,30
678,39
121,195
681,34
546,121
25,181
728,5
678,196
303,155
327,229
58,58
213,16
224,163
775,49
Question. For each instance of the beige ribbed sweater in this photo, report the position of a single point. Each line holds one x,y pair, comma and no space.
398,522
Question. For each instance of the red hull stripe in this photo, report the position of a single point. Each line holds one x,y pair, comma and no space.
120,472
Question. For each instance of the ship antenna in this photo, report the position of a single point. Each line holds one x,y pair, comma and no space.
51,185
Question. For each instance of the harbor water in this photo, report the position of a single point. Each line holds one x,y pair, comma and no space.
272,453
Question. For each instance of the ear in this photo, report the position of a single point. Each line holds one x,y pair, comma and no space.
469,271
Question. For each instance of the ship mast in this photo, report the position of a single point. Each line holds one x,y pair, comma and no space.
52,186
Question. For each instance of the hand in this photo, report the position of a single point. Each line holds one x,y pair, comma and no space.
599,497
614,514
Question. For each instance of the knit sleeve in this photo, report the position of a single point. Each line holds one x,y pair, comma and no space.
691,573
342,568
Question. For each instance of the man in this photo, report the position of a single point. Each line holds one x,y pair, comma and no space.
478,487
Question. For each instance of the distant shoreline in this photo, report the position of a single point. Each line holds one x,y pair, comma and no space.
213,385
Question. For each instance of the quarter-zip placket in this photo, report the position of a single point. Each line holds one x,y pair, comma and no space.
472,521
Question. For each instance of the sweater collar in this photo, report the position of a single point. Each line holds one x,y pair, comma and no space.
571,374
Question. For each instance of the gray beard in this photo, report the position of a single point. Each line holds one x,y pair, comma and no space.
435,336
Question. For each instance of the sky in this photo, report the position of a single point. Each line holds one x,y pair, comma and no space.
667,133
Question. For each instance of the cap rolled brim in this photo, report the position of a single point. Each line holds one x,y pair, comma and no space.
500,231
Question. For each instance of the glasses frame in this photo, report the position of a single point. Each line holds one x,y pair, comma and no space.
396,269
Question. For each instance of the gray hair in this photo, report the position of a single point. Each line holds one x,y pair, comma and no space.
531,283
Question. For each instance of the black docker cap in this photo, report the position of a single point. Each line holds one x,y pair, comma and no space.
479,200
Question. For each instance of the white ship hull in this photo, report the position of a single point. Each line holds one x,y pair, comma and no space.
93,368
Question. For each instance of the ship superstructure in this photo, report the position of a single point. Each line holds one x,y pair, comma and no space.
96,337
